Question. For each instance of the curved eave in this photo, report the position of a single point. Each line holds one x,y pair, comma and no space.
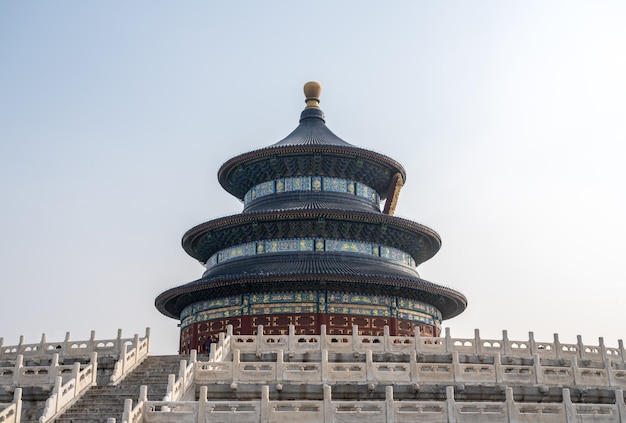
357,160
350,277
204,240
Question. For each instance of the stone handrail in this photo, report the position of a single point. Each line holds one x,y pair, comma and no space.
177,389
388,410
437,345
130,358
26,376
12,413
443,369
64,395
136,414
67,348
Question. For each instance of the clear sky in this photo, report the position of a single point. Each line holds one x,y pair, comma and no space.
509,117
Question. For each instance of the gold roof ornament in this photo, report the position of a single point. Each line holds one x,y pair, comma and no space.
312,92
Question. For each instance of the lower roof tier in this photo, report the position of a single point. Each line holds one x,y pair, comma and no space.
311,271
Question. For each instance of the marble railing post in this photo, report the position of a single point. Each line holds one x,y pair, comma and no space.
169,393
575,371
456,367
265,403
533,345
355,338
389,406
328,406
325,365
75,376
506,345
620,344
148,338
1,346
19,345
497,362
449,346
17,399
602,347
323,344
510,405
128,408
478,348
259,340
570,413
280,365
65,349
417,338
52,368
621,407
413,366
386,339
369,366
202,405
291,344
557,346
581,347
609,372
538,369
450,404
236,363
42,343
19,363
229,330
193,356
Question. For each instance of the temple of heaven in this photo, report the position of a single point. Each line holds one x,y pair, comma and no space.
313,246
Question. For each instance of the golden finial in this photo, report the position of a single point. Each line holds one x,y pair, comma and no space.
312,91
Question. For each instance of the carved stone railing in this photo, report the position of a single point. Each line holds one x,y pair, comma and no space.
27,376
434,345
131,353
11,413
388,410
177,389
65,394
440,369
67,348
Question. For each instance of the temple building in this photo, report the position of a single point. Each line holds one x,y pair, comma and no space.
315,313
313,246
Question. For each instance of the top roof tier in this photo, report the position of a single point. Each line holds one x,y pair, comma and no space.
310,150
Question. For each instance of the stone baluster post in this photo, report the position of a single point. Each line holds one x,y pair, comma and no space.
621,407
557,346
389,405
17,399
236,365
456,367
203,407
42,345
622,352
506,344
128,408
148,339
259,339
449,346
280,365
265,403
53,368
325,365
581,346
182,370
497,363
356,345
510,405
20,344
291,344
478,347
193,356
533,345
65,349
1,347
602,347
450,404
57,389
369,366
323,342
76,377
537,368
328,406
417,338
576,371
169,393
413,367
92,341
570,413
17,372
387,340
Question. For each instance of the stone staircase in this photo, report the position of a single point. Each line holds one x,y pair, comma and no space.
103,402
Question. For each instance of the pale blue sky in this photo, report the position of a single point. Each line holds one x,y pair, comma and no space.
509,118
